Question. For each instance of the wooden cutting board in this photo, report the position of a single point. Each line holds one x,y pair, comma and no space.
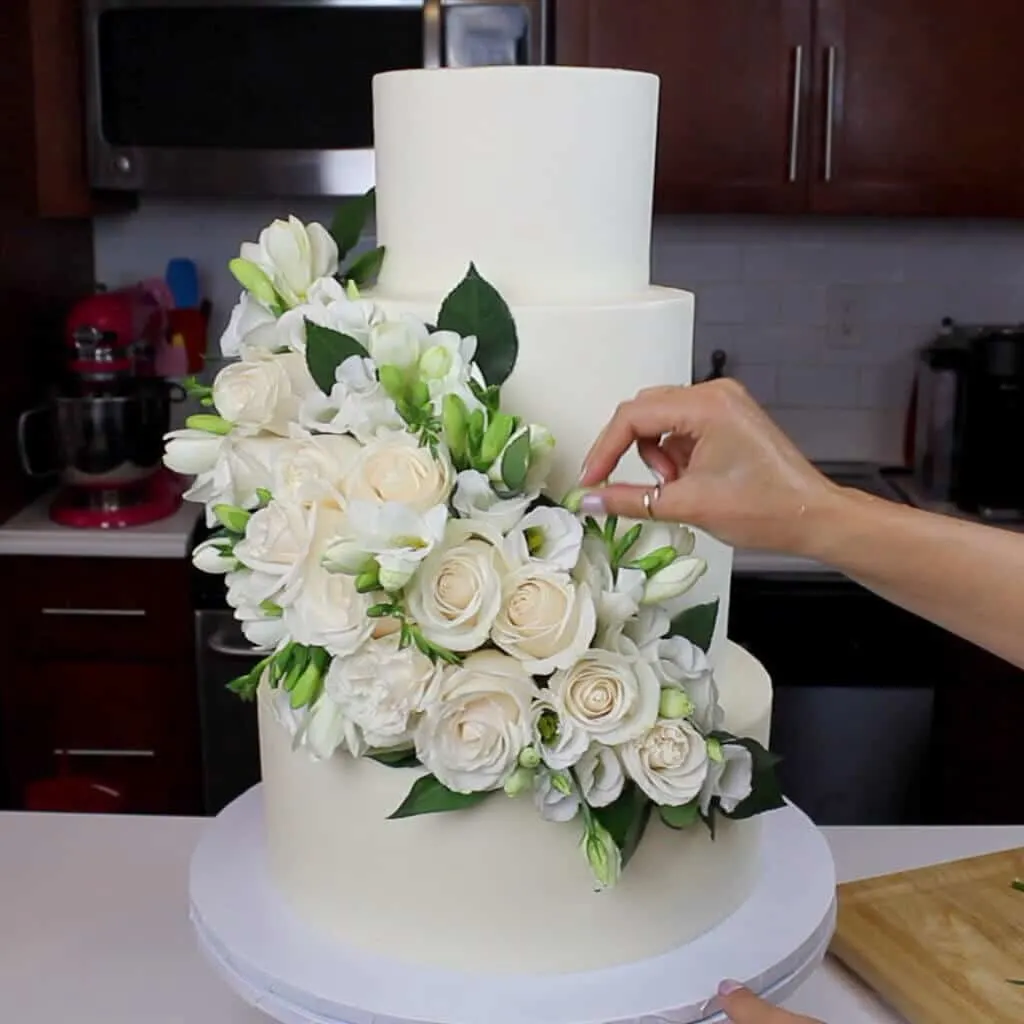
939,943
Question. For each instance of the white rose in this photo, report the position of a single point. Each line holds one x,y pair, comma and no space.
293,255
313,469
251,329
322,609
559,740
731,779
256,395
397,468
616,595
610,695
476,499
684,666
550,535
552,802
546,619
192,452
456,594
669,763
383,688
674,580
276,544
357,404
600,775
327,729
246,594
397,342
213,556
471,736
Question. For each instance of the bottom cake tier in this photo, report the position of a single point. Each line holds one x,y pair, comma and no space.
495,889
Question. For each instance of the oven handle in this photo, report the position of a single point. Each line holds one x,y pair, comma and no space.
432,33
219,644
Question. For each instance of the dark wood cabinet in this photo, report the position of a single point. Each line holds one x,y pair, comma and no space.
822,106
100,682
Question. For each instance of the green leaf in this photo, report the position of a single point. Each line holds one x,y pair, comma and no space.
766,794
475,307
626,819
515,463
405,758
696,624
365,268
681,817
1017,884
349,221
429,796
326,350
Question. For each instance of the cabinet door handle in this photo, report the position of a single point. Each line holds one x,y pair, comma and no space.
99,752
794,125
830,101
124,613
219,644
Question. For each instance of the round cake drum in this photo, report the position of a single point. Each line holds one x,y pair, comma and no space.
278,964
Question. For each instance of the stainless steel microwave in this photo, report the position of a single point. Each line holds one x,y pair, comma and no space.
270,97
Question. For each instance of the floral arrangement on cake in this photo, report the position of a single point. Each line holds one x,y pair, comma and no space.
387,543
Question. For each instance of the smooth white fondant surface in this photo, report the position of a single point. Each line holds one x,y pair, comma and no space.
495,889
542,176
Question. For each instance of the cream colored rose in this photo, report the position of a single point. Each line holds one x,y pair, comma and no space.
455,595
398,468
669,763
314,468
256,395
612,696
546,620
276,545
471,736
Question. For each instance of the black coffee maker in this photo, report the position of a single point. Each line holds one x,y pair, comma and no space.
969,437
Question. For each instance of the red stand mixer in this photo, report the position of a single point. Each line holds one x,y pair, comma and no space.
109,413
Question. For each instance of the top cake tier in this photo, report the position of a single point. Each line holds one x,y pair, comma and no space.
541,176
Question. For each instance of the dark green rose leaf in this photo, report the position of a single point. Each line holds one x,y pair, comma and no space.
515,463
680,817
626,819
365,268
395,758
429,796
766,794
696,624
350,220
326,350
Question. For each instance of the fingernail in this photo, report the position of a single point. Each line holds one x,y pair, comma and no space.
583,471
728,986
592,504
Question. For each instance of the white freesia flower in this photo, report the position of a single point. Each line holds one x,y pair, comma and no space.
684,666
552,802
328,729
669,763
476,499
546,621
658,536
560,741
323,609
251,329
612,696
550,535
191,452
276,545
292,720
383,688
446,366
674,580
293,255
397,468
397,342
256,395
212,556
616,596
456,594
245,593
357,404
730,779
600,775
327,305
313,469
471,736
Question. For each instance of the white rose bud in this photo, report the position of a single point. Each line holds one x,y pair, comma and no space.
669,763
293,255
600,775
256,395
603,855
396,468
673,580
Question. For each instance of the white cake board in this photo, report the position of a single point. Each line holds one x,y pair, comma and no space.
297,975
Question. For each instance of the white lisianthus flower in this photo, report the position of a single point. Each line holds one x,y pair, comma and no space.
312,470
357,404
192,452
600,775
684,666
646,628
256,395
559,740
552,801
674,580
550,535
293,255
383,688
277,542
731,779
323,609
251,330
263,628
471,736
213,556
397,536
546,619
397,342
616,595
328,729
476,499
397,468
669,762
612,696
456,594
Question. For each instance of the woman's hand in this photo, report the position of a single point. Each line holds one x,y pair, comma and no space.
724,466
743,1007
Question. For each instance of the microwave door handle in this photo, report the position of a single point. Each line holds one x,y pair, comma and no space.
432,33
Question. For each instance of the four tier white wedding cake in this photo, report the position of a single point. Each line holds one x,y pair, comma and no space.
497,736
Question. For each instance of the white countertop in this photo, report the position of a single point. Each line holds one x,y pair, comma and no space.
94,924
32,532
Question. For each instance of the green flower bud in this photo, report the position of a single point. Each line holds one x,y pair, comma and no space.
209,423
275,611
455,420
232,518
655,561
715,750
352,289
419,394
675,704
435,363
498,432
519,782
255,281
560,781
307,687
368,581
476,430
392,380
574,499
603,856
529,758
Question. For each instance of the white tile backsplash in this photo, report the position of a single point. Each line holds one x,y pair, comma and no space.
820,317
